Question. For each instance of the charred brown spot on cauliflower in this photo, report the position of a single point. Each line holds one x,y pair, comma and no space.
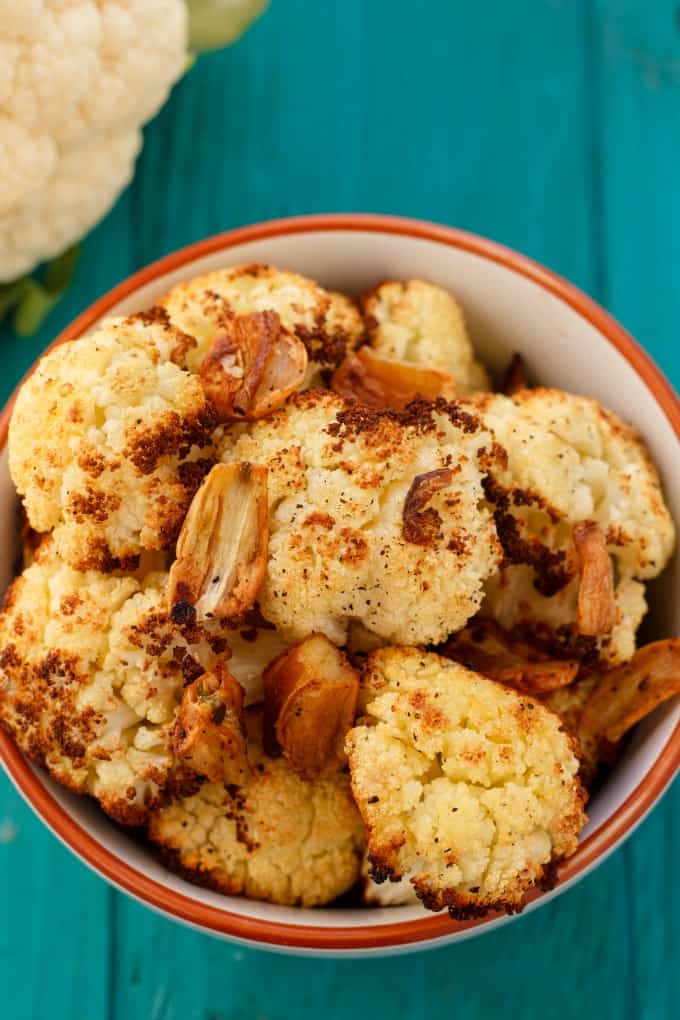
418,323
344,545
465,785
327,323
571,464
109,440
277,837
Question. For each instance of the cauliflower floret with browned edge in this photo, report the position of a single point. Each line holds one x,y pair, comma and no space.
278,838
421,323
109,441
385,894
570,461
375,516
91,675
464,784
328,323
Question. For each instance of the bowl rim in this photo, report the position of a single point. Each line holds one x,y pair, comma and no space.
430,927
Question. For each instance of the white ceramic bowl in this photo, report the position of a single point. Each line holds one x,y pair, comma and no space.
511,304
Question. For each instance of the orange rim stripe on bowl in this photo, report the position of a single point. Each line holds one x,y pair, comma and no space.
427,927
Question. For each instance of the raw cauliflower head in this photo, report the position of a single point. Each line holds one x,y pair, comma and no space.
78,78
81,187
109,441
464,784
327,323
570,461
278,838
91,674
423,324
376,517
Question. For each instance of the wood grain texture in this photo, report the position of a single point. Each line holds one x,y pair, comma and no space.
550,125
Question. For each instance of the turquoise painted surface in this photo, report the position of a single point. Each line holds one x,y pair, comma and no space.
551,126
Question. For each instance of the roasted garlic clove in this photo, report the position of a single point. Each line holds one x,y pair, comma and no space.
284,373
421,523
484,647
222,547
596,608
623,696
209,734
382,382
310,696
252,367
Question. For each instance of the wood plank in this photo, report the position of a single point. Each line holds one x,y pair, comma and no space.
638,67
54,932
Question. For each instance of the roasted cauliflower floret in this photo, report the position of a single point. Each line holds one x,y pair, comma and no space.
278,838
91,674
374,516
328,323
419,323
109,440
463,783
571,465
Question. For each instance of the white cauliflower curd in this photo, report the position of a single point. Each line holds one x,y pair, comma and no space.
109,440
418,323
375,517
464,785
78,79
571,464
92,672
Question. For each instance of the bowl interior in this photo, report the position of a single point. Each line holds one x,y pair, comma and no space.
506,312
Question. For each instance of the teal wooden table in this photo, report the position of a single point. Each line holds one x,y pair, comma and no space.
550,125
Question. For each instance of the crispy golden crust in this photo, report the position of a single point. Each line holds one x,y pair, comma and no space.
328,324
347,541
464,784
278,838
109,441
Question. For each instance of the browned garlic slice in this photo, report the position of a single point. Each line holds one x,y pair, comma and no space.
252,367
209,733
596,607
384,382
222,547
310,696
